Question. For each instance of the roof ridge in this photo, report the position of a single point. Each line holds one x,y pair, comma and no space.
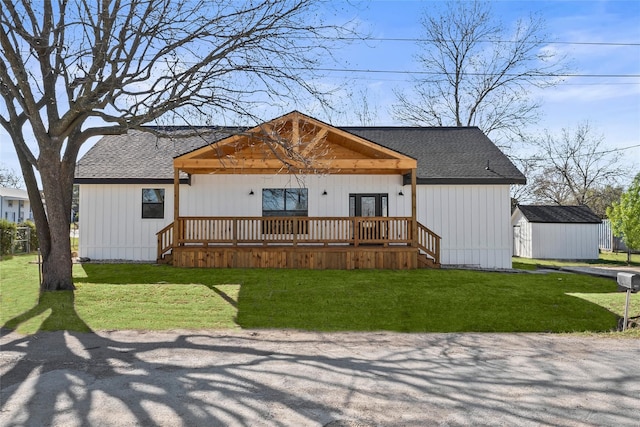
408,127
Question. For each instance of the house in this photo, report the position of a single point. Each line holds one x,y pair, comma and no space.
297,192
555,232
14,205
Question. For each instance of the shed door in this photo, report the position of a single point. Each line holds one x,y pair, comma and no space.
517,241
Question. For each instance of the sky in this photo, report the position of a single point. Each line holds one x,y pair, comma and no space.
601,38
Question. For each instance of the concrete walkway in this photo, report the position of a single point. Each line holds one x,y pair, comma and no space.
608,272
289,378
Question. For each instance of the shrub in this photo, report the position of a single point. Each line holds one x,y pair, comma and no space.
7,231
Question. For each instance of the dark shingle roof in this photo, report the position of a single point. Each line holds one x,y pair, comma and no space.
137,155
560,214
445,155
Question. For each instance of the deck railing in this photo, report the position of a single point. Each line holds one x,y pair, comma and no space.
165,240
237,231
429,242
293,230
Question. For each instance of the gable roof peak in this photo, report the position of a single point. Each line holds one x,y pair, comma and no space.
295,143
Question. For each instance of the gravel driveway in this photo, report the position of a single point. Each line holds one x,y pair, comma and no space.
291,378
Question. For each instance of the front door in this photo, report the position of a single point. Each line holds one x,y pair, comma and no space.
369,205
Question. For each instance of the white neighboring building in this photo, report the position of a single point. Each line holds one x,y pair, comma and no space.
14,205
555,232
462,192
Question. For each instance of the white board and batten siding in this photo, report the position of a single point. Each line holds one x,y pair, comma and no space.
112,227
229,195
473,221
565,241
111,223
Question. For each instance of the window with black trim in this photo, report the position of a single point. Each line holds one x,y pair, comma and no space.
285,202
153,203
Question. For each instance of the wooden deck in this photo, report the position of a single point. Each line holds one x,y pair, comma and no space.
299,242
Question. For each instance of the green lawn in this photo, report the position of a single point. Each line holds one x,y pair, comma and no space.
143,296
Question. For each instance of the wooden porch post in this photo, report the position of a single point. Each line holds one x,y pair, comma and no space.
414,209
177,230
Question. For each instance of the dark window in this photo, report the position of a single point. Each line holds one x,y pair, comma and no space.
152,203
285,202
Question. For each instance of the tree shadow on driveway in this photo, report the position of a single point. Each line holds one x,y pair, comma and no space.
282,378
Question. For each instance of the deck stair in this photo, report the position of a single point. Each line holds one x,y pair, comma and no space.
429,248
425,262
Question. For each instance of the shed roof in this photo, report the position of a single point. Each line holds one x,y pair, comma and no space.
559,214
445,155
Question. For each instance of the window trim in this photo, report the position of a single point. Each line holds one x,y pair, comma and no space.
145,212
288,226
285,211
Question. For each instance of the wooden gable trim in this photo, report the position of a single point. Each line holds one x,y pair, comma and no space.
321,135
377,159
370,146
336,165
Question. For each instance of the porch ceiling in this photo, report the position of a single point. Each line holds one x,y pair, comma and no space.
294,143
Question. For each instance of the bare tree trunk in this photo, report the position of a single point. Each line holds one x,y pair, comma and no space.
58,190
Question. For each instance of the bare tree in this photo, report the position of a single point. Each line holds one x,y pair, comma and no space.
478,72
74,69
576,168
354,106
603,197
523,194
363,112
9,178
